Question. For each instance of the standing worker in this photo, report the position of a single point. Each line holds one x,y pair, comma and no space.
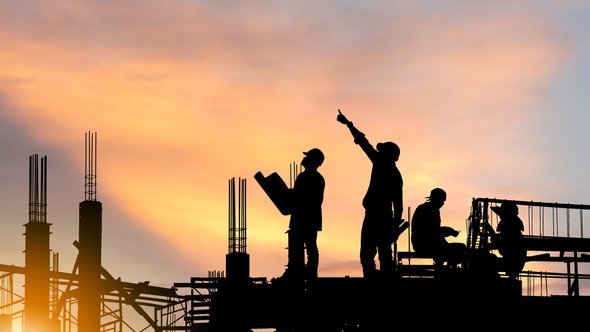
383,203
306,221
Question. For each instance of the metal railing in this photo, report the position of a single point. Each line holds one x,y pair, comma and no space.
549,228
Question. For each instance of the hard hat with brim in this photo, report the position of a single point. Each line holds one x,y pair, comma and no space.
316,155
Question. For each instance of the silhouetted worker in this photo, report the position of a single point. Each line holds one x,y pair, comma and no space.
429,237
509,239
306,219
383,203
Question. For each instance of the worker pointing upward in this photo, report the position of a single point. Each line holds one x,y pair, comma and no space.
383,203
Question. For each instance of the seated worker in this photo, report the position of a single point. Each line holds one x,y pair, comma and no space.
429,237
508,238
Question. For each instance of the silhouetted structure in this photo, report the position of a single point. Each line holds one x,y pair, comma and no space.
37,249
474,294
73,302
237,259
90,244
549,228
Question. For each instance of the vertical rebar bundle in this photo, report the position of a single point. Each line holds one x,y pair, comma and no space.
237,231
294,170
37,189
90,154
90,238
237,260
36,310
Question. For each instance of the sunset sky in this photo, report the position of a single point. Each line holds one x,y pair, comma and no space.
484,98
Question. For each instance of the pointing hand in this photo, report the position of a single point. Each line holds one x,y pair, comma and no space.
341,118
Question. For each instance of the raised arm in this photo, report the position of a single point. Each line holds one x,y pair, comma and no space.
355,132
359,137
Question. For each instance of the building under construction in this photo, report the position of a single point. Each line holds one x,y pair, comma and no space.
89,299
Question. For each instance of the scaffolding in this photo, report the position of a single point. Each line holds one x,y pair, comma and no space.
553,235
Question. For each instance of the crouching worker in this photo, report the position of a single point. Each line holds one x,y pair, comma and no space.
508,238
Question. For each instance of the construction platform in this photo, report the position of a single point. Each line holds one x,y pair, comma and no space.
341,304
